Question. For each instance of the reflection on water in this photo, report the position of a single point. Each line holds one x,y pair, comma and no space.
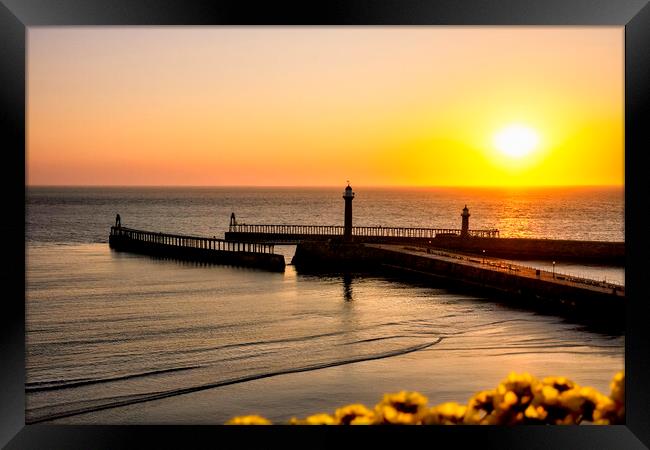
347,287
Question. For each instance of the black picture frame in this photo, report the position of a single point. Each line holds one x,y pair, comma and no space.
17,15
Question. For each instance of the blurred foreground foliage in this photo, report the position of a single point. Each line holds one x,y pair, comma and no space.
518,399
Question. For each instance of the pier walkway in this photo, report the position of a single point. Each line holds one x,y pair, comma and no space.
499,265
294,234
196,248
179,240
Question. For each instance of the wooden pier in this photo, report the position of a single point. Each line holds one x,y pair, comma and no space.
195,248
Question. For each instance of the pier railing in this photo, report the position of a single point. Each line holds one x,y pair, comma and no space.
510,267
337,230
177,240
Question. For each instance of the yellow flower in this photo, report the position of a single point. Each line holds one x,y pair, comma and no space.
356,414
585,403
316,419
618,397
569,407
535,414
450,413
552,400
513,396
560,384
597,407
521,385
480,409
248,420
617,386
402,408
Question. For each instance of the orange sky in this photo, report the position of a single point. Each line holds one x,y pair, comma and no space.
310,106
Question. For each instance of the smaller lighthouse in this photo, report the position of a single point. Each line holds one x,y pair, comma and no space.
348,195
464,231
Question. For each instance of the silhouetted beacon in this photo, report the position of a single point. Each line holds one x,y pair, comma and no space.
348,195
464,231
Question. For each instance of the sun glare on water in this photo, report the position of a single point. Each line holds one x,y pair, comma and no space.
516,141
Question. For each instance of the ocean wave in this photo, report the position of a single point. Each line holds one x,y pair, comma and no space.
32,416
65,384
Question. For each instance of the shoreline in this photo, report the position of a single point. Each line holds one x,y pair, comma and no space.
322,390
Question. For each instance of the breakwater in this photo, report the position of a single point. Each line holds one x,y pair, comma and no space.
195,248
527,287
546,249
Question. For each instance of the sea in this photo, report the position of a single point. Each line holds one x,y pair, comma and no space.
121,338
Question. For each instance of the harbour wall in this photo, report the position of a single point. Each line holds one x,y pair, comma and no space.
546,249
338,256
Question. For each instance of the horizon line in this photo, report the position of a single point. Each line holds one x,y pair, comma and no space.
317,186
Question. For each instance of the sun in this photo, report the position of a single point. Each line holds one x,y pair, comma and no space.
516,141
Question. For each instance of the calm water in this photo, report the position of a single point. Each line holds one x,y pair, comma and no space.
122,338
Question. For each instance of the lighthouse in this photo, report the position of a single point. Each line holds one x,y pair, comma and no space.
348,195
464,231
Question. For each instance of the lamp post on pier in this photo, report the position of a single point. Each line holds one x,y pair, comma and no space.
553,269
